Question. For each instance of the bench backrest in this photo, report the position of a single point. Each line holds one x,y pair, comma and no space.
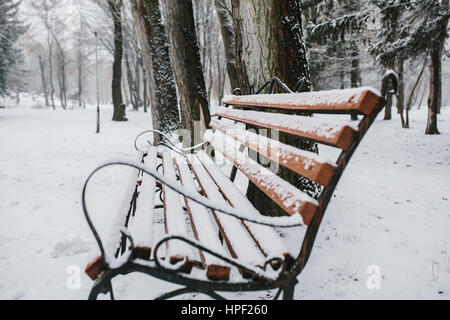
291,113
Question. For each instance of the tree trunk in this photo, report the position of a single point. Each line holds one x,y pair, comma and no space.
187,67
80,78
131,82
269,42
433,98
355,74
414,93
50,71
115,8
401,92
226,29
44,82
158,67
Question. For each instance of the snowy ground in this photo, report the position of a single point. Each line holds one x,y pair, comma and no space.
391,209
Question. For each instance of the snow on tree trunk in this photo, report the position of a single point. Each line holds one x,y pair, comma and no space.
185,53
269,42
226,29
158,67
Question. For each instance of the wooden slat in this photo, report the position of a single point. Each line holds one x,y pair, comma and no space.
338,134
203,227
288,197
305,163
112,243
122,208
361,100
239,242
174,217
141,225
266,237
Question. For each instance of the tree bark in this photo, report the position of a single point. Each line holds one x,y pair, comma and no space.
158,67
401,92
44,82
115,9
433,98
229,43
269,42
50,70
355,73
187,67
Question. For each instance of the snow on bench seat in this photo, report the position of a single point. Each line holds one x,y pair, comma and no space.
239,242
361,100
288,197
265,237
305,163
174,217
203,226
113,241
334,133
141,225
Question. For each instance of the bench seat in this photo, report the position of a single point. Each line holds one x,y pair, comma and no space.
251,243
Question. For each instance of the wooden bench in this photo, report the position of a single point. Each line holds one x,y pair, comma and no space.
212,238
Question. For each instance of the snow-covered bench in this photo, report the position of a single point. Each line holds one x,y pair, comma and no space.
213,238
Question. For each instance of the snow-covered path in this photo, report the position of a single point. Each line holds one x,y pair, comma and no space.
391,209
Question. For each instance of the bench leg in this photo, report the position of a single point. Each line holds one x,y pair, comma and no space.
102,285
288,290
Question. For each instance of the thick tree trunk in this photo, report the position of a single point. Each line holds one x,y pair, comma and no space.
227,31
187,68
115,9
158,67
44,82
433,98
269,42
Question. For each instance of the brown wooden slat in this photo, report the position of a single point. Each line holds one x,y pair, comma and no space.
288,197
323,131
239,242
361,100
174,217
305,163
266,238
202,227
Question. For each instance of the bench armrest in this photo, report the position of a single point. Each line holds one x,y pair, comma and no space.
166,142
